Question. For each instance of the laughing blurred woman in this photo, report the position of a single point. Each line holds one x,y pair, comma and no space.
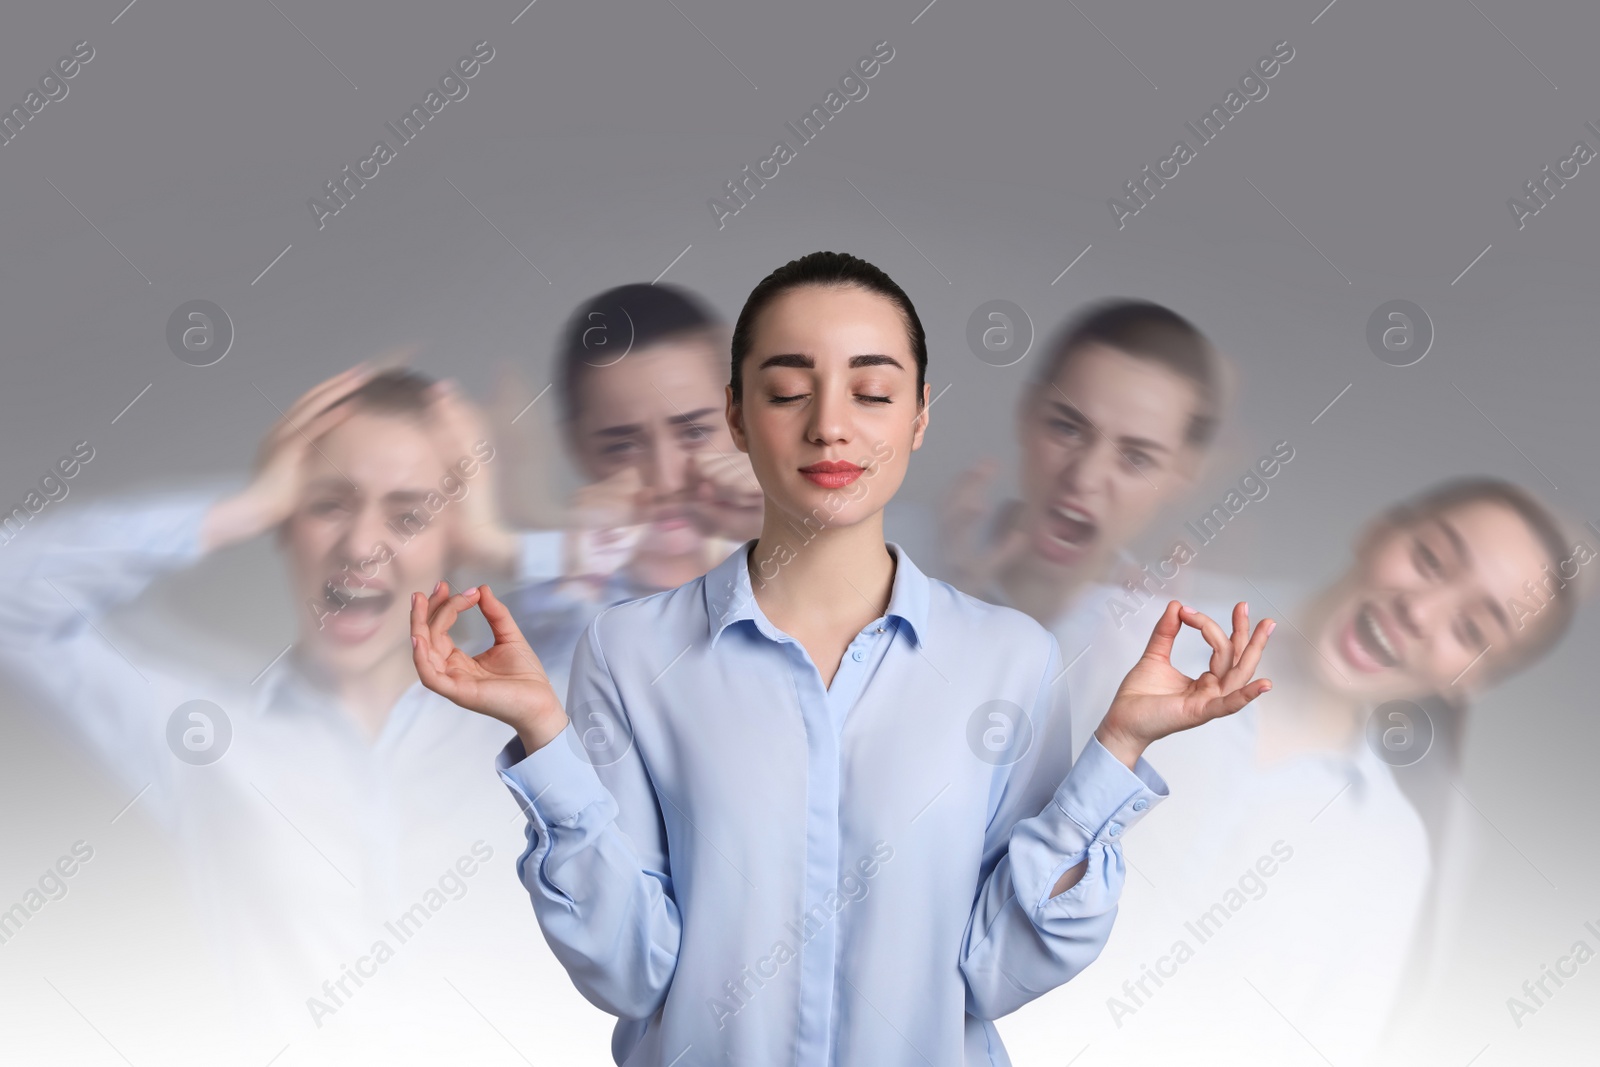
814,807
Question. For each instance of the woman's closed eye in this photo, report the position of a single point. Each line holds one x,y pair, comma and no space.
869,397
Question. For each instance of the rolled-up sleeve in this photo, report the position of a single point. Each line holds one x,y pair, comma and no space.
605,903
1021,942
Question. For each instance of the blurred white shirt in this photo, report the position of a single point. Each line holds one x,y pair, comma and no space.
1214,960
306,843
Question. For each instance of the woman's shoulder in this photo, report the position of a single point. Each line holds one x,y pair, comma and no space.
971,620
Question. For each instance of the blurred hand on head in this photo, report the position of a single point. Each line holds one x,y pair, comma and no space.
478,533
277,482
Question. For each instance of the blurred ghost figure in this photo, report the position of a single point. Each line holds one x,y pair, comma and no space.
640,374
317,806
1327,894
1116,425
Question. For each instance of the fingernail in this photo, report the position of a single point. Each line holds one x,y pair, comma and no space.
1271,626
1266,687
413,642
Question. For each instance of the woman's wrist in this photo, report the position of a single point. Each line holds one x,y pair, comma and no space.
1126,749
535,736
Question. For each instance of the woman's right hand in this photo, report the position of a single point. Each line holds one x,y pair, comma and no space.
605,524
505,681
275,486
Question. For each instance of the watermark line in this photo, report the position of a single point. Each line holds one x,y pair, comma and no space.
312,43
901,232
481,1015
103,237
924,11
669,666
713,44
274,263
497,229
86,1021
1332,402
1140,873
708,840
1074,263
1331,799
1469,666
96,629
301,832
274,662
886,1020
131,803
1474,263
132,402
124,11
1113,44
532,402
1502,433
1324,11
674,263
1069,666
1501,832
1285,1018
524,11
929,804
1513,44
1297,229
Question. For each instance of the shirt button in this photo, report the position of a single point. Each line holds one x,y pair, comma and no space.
858,655
1114,829
1140,804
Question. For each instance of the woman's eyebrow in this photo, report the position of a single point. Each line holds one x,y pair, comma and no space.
805,362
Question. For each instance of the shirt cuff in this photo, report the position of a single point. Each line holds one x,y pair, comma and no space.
538,555
1104,797
553,784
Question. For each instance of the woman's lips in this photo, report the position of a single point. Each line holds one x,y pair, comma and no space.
832,479
831,475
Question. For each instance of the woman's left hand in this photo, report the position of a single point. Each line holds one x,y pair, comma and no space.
1157,699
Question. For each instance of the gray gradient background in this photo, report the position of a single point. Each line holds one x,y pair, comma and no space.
978,167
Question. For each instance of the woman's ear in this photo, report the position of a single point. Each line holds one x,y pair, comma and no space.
734,413
920,423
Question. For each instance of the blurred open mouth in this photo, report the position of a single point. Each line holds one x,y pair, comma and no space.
1369,644
1066,533
354,612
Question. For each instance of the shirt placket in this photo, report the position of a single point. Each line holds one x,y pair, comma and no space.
824,710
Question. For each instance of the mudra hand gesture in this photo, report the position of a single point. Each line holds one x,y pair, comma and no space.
1157,699
505,681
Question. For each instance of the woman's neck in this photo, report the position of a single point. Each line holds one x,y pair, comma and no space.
367,696
837,577
1042,590
654,571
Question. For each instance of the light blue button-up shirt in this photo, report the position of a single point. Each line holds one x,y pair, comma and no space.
749,867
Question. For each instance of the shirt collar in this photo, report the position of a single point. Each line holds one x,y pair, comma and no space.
730,597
